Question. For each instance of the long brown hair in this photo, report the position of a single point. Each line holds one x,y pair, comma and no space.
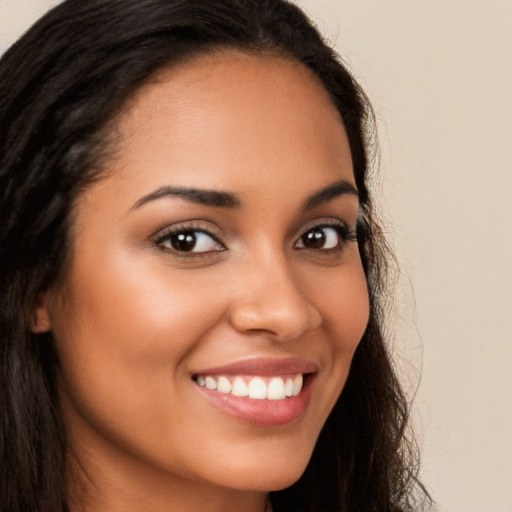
61,84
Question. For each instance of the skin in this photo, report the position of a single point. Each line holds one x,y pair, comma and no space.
134,319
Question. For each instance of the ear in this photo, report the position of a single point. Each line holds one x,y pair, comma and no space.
41,317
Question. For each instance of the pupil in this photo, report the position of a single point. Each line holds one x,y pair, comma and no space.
183,242
315,239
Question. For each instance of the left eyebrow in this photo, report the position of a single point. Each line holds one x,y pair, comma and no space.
329,193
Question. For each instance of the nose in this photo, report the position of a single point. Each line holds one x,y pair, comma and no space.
269,300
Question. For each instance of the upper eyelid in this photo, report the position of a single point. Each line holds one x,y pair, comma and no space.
192,225
323,222
346,231
166,233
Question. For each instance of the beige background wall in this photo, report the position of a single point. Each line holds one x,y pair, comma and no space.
440,76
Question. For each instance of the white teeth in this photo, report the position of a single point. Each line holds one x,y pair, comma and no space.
288,387
297,384
223,385
239,388
210,383
275,388
257,388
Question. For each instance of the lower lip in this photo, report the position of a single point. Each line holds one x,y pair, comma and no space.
265,413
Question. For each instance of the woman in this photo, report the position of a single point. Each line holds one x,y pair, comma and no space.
192,273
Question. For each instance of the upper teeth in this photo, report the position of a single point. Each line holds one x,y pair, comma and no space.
271,388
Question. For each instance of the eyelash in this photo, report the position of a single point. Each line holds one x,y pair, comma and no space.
343,233
184,230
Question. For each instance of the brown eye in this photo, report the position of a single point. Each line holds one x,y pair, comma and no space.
190,241
183,241
322,237
314,239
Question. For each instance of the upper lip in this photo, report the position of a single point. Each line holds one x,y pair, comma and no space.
263,366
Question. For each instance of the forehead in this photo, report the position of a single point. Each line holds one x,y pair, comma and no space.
235,106
260,127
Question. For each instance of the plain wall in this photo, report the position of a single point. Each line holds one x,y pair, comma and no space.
439,74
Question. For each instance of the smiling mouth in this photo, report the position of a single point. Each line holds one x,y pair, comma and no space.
260,391
254,386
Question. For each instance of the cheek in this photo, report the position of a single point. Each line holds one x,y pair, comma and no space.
345,303
351,318
341,295
122,333
138,309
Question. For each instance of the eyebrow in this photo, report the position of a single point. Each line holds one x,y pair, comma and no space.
194,195
329,193
220,199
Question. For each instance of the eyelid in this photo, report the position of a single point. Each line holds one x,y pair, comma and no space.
326,222
346,233
188,226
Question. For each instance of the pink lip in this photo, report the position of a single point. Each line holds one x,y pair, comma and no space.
264,367
265,413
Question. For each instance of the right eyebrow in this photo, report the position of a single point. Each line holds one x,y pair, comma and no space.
205,197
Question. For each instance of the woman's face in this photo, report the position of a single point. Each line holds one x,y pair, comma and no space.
218,252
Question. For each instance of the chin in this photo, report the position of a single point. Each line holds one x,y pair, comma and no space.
268,480
275,473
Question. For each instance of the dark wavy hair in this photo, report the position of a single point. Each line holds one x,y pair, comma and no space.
62,86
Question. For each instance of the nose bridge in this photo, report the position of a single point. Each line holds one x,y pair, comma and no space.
270,298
